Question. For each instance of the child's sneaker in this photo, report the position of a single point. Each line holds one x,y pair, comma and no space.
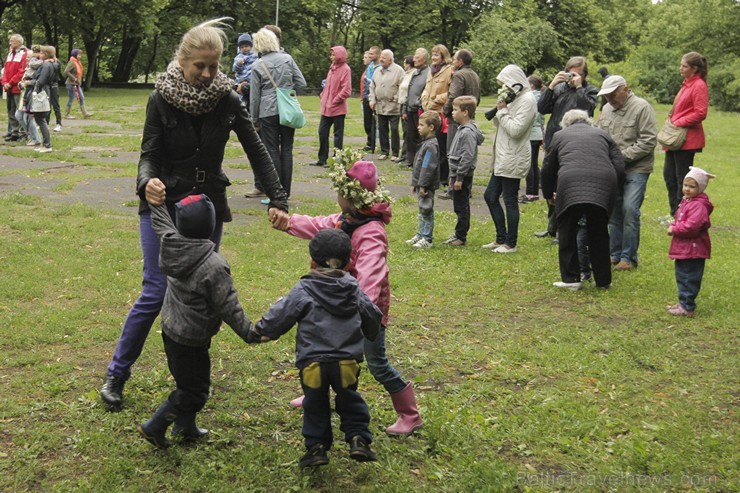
359,450
680,311
413,239
423,243
315,456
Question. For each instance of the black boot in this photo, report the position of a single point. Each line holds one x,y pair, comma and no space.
155,429
359,450
186,428
112,391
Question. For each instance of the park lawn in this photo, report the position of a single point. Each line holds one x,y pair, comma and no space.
522,387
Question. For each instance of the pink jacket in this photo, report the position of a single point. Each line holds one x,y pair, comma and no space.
691,229
369,252
690,109
338,85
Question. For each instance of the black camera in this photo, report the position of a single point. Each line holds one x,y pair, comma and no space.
508,99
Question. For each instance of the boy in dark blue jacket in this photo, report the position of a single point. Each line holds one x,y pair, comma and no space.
333,314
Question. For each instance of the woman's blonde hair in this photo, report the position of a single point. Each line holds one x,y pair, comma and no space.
442,50
265,41
208,35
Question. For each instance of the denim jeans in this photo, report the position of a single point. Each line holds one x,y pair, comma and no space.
689,273
324,125
147,307
73,95
426,216
461,206
379,366
507,227
278,140
28,124
624,223
354,416
384,122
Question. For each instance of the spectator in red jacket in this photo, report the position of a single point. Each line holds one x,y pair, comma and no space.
15,67
337,88
689,110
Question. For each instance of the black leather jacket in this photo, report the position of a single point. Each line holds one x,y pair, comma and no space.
190,162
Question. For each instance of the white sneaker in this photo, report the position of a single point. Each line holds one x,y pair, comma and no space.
43,149
413,239
491,246
505,249
573,286
423,243
58,128
32,143
382,157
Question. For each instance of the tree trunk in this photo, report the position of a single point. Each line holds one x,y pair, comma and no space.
129,48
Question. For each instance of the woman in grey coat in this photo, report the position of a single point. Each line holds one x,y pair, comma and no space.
263,101
586,168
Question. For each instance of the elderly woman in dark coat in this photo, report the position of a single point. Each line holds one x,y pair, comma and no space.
585,166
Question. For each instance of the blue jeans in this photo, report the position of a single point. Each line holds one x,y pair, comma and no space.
624,223
379,366
72,95
354,416
426,215
509,187
146,308
278,140
689,273
324,125
28,124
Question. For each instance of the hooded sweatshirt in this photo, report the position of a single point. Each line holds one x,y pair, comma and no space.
200,291
690,238
512,150
332,313
463,153
338,85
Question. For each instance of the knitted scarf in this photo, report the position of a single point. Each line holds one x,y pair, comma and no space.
193,100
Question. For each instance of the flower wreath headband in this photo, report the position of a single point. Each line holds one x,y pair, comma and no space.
350,188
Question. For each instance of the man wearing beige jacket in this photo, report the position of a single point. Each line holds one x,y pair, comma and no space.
384,102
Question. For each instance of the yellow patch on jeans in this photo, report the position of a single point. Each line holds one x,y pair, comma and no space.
311,375
350,370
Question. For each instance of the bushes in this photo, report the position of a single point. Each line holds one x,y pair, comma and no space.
724,86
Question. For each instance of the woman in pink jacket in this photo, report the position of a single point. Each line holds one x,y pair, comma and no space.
365,212
337,88
689,110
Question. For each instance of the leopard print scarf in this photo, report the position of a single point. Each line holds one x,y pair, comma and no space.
193,100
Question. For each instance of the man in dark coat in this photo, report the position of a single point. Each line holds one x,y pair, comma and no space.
586,167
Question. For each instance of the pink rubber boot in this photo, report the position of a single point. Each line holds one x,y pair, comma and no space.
404,402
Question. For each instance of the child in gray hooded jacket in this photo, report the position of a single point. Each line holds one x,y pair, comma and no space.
200,295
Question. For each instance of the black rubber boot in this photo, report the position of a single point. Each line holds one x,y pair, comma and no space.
155,429
186,428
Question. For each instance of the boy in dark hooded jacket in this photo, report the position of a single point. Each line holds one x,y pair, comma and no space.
332,313
200,295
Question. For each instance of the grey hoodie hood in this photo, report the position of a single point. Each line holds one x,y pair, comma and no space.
514,78
333,289
179,256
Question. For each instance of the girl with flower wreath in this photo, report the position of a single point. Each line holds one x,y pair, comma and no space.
366,209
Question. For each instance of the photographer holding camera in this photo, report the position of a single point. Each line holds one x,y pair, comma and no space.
569,90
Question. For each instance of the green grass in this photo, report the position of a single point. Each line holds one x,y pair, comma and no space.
522,387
